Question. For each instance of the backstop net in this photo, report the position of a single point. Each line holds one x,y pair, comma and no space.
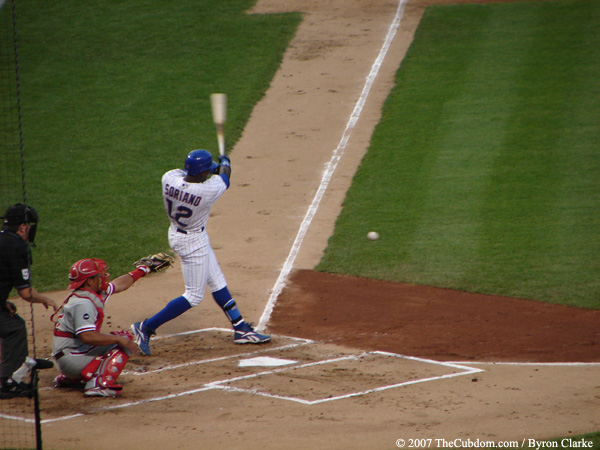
19,416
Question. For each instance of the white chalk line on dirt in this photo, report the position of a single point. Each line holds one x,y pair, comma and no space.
330,168
299,342
464,368
548,364
465,371
223,384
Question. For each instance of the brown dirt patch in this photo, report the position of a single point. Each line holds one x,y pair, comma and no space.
429,322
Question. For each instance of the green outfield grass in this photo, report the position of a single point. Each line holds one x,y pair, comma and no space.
114,95
484,172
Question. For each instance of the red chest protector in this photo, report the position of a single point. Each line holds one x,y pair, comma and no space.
98,302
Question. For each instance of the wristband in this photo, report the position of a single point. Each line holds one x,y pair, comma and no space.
138,273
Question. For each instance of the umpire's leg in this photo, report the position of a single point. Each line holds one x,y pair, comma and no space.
13,334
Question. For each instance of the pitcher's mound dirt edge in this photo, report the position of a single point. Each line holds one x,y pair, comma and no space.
428,322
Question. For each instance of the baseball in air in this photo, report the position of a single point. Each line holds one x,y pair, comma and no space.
373,235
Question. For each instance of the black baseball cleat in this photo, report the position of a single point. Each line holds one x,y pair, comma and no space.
12,389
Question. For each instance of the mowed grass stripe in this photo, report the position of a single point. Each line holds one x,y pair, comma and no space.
468,139
546,154
484,162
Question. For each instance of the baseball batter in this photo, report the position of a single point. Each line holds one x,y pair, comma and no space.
188,197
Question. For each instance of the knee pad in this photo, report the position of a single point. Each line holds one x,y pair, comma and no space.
108,367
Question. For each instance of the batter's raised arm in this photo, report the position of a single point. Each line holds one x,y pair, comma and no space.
225,168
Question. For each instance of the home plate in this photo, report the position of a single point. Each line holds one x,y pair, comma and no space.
265,361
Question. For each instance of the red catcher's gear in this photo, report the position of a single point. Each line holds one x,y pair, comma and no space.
87,268
106,369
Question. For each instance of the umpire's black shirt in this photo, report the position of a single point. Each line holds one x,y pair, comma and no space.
15,260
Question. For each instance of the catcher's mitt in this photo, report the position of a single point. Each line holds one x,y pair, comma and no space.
159,262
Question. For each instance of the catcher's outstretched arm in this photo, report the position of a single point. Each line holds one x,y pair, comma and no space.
158,262
124,282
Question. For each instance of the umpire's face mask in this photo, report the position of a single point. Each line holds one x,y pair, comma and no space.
31,234
28,229
31,216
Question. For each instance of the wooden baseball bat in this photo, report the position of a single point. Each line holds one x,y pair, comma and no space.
218,103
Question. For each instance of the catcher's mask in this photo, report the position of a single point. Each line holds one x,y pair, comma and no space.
87,268
198,161
20,213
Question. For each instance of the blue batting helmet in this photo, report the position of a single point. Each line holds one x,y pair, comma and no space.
198,161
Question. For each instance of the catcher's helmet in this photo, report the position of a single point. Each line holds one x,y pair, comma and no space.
87,268
20,213
198,161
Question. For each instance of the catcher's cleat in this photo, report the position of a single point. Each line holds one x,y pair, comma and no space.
62,381
103,392
247,335
141,338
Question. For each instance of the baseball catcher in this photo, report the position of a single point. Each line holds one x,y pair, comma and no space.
86,357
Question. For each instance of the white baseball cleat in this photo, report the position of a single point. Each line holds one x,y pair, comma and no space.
102,392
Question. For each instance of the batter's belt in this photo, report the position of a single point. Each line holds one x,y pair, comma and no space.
182,231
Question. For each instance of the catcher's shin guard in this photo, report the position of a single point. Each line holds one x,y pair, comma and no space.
88,371
109,369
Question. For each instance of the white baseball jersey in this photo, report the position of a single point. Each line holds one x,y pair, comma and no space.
188,207
188,204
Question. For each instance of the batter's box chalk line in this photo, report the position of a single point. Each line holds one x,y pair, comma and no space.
296,343
228,384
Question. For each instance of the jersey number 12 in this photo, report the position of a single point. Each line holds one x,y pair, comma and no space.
181,212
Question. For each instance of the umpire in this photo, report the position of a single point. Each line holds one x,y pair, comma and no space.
18,230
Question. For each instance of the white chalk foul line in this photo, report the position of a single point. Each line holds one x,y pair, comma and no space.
330,168
225,384
523,364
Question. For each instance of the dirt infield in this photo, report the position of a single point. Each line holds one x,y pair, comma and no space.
347,369
435,323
